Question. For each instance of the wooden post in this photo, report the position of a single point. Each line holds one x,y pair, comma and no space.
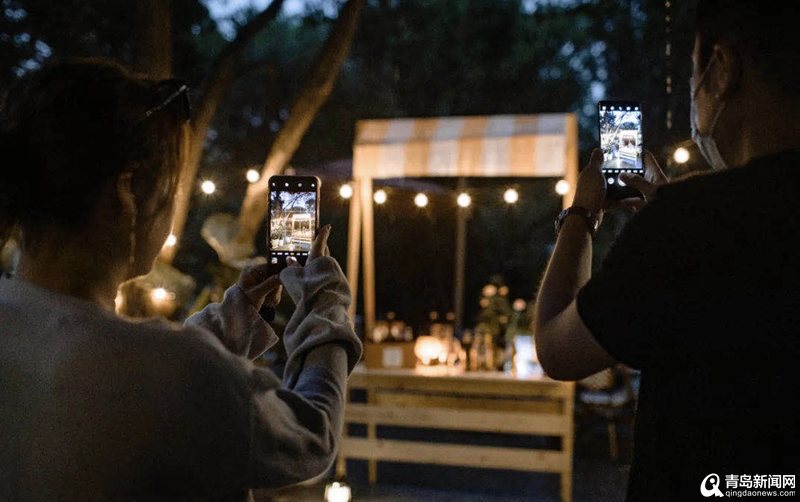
354,248
567,442
461,258
372,437
369,256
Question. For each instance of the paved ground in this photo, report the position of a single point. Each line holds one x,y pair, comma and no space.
596,478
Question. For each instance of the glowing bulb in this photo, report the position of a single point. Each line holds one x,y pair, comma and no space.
681,155
118,301
421,200
562,187
511,196
464,200
171,241
253,175
208,187
346,191
380,197
159,294
338,492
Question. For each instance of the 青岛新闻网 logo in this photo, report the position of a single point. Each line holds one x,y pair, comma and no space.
710,486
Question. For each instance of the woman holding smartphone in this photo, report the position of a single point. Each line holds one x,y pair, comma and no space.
98,407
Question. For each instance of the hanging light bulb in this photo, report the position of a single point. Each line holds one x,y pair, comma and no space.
346,191
562,187
380,197
421,200
171,241
681,155
464,200
253,175
511,196
208,187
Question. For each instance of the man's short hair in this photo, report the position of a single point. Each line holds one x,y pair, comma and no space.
763,29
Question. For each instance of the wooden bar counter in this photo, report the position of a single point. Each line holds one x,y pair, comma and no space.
445,398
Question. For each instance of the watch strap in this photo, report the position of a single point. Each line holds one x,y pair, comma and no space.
591,218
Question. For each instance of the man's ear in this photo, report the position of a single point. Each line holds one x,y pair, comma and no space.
728,73
125,193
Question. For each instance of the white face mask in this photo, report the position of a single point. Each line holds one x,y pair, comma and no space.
706,144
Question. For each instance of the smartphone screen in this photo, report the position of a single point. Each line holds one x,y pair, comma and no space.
620,124
293,216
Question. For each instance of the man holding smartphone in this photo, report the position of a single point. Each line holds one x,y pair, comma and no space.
701,291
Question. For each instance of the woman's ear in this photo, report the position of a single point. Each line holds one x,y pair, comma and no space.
125,193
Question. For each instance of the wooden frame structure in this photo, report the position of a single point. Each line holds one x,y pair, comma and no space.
476,401
481,146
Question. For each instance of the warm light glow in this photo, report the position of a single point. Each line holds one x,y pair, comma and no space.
118,301
346,191
421,200
208,187
337,492
428,349
171,241
159,294
503,290
489,290
380,197
520,304
253,175
464,200
511,196
562,187
681,155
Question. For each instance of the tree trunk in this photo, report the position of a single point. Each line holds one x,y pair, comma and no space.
154,38
220,77
317,89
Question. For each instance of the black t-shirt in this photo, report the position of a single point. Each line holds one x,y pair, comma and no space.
702,292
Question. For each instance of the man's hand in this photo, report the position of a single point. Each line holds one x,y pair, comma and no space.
318,248
653,177
591,190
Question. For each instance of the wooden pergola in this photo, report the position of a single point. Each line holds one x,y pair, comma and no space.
478,146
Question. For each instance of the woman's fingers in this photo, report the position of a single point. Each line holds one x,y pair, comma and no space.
320,243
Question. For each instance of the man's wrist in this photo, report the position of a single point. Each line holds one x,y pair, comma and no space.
590,218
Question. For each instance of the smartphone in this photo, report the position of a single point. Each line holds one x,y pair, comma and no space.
620,126
293,219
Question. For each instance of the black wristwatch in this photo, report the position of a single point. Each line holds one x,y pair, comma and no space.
591,218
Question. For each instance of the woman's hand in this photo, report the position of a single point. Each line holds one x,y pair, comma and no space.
318,248
259,287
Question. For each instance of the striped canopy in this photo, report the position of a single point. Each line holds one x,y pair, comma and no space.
499,145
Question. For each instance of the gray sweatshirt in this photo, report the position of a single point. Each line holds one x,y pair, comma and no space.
96,407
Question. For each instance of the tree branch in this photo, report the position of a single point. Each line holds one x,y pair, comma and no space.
317,89
218,80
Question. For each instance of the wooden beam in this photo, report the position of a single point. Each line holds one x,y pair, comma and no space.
369,256
354,248
465,419
517,459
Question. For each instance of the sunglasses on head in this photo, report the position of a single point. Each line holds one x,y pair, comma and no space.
168,91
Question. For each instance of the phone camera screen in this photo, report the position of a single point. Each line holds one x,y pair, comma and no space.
293,219
621,139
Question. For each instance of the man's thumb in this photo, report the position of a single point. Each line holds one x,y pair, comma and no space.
596,160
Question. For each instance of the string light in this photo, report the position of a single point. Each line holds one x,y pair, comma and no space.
346,191
421,200
171,241
380,197
464,200
253,175
208,187
681,155
511,196
562,187
159,294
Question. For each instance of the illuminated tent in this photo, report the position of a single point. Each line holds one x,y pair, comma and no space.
479,146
